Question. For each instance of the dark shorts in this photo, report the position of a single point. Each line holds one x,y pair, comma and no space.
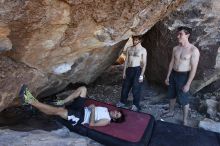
177,81
76,108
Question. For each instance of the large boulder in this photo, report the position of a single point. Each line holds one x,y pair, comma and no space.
12,76
212,108
5,43
44,138
210,125
204,18
218,107
69,41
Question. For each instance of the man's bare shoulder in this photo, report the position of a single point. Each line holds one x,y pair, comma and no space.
143,49
129,48
176,48
195,50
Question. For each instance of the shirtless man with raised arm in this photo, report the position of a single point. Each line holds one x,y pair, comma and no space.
133,73
182,69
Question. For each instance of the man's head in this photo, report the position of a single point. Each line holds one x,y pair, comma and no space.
183,33
117,116
136,39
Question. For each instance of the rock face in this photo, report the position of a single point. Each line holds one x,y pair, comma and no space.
13,75
218,107
44,138
210,125
212,107
69,41
204,18
5,43
208,105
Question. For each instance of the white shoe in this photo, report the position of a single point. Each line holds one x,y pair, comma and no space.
120,104
134,108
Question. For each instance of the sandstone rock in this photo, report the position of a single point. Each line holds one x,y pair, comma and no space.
199,84
62,132
12,76
218,107
121,59
43,138
209,107
204,18
202,107
210,125
212,108
70,41
5,43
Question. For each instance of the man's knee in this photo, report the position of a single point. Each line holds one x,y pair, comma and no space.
83,91
62,112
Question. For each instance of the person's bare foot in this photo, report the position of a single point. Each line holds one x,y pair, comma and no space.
185,123
167,114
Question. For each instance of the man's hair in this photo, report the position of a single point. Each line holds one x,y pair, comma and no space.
137,37
186,29
119,120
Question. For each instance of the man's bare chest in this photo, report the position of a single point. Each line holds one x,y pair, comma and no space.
182,55
134,53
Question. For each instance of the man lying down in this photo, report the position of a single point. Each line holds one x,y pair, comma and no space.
73,109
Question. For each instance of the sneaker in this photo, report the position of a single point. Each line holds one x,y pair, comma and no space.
134,108
21,94
25,96
120,104
58,103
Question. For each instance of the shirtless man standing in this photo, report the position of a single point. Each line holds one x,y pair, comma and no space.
182,69
133,73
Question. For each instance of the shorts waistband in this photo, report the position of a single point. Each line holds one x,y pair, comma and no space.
181,72
134,67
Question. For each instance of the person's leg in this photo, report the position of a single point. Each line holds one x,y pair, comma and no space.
80,92
183,97
50,110
126,87
184,101
67,114
185,114
172,105
172,97
27,98
72,116
136,88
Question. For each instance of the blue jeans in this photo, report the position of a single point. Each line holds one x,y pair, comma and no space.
132,81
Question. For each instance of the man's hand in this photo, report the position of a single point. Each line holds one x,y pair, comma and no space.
91,106
186,88
141,79
167,82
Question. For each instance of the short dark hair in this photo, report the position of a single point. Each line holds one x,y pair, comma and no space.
137,37
121,119
186,29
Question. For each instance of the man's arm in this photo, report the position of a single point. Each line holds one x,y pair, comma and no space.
126,63
92,122
102,122
170,68
144,61
194,63
144,64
